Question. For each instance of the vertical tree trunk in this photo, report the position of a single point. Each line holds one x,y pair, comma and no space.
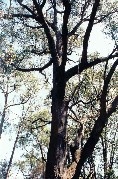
12,154
105,154
57,146
4,112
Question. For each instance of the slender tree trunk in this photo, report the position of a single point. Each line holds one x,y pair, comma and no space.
105,154
4,111
12,154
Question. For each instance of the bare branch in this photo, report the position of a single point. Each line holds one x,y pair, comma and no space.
33,27
113,107
45,51
67,11
76,27
23,15
81,20
34,69
41,120
39,126
40,17
17,104
43,4
74,70
27,8
97,20
103,17
88,31
99,124
51,25
105,87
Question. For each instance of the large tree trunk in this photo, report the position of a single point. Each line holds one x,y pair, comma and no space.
57,147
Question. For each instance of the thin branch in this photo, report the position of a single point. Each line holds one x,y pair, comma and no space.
52,25
72,111
81,20
41,120
27,8
113,107
103,17
33,27
39,126
17,104
23,15
76,27
4,111
40,18
34,69
12,154
37,6
45,51
113,149
40,146
43,158
36,52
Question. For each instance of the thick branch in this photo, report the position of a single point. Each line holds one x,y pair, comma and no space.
76,27
88,31
40,17
41,20
113,107
43,4
74,70
90,144
37,6
99,124
67,11
106,83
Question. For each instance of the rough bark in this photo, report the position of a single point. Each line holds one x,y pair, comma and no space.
57,146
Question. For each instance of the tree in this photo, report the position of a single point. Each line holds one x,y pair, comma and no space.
34,140
50,30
